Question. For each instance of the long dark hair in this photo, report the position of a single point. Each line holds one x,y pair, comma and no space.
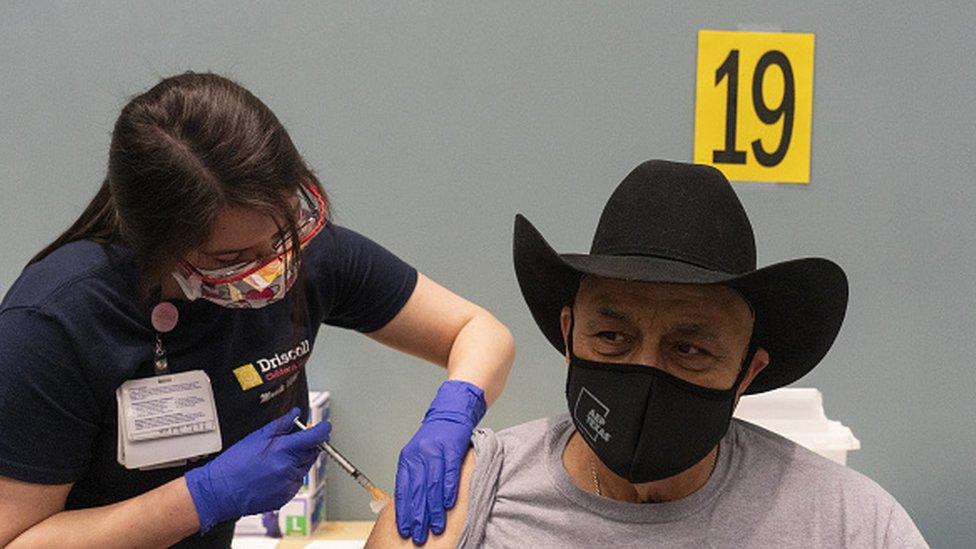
191,145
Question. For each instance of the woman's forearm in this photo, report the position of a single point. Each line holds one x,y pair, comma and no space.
441,327
482,354
158,518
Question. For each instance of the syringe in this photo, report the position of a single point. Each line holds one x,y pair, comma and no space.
380,498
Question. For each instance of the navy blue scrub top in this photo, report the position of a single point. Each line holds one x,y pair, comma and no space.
73,327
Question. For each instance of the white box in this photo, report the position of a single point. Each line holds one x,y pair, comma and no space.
798,415
299,517
302,515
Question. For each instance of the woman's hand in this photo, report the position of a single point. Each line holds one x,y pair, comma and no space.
260,473
430,464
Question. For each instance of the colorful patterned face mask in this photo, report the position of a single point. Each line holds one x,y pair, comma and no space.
256,284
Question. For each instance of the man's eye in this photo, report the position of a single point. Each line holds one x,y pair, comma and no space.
611,337
688,349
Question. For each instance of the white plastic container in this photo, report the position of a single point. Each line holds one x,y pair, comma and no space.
798,414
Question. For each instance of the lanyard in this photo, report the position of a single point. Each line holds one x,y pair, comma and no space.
160,363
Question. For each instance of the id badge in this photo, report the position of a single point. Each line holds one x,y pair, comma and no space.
165,420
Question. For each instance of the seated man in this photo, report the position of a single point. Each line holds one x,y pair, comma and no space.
664,325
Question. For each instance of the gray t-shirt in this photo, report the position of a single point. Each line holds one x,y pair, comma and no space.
766,491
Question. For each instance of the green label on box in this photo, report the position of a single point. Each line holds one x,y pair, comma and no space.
296,526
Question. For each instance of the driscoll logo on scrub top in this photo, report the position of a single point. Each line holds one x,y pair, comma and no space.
279,360
273,367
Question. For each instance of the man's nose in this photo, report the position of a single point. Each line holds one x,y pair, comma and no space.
649,353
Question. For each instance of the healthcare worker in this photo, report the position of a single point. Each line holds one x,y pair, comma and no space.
177,315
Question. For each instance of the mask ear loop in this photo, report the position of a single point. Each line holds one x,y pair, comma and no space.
569,348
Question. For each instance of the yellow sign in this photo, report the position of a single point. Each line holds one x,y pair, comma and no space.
248,376
754,105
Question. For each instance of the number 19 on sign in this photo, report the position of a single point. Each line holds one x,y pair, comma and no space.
762,133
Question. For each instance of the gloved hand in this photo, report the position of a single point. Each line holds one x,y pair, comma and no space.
261,472
430,464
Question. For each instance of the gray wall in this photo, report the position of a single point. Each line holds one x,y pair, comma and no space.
433,124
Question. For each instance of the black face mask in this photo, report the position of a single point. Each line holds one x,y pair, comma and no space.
643,423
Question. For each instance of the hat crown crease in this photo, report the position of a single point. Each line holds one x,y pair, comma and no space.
672,211
662,253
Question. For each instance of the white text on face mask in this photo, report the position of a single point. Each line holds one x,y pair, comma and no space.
596,422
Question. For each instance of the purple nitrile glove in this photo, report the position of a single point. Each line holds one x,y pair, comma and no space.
261,472
429,467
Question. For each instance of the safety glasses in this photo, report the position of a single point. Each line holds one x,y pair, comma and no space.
311,219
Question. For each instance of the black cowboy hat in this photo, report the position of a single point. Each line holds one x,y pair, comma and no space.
683,223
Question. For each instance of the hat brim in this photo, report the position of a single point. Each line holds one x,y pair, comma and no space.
799,304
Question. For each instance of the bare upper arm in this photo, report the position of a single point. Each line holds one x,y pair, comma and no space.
385,533
24,504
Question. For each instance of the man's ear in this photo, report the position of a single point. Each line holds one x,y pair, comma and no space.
760,359
565,318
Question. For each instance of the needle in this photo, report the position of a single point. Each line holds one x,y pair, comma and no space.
380,498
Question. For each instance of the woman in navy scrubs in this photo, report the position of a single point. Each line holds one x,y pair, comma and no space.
209,247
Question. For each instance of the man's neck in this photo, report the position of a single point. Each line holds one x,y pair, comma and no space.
590,474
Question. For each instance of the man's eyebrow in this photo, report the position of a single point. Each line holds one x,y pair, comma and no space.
696,329
610,313
613,313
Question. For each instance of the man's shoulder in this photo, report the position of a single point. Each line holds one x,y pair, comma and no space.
481,475
529,439
768,451
532,431
771,470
